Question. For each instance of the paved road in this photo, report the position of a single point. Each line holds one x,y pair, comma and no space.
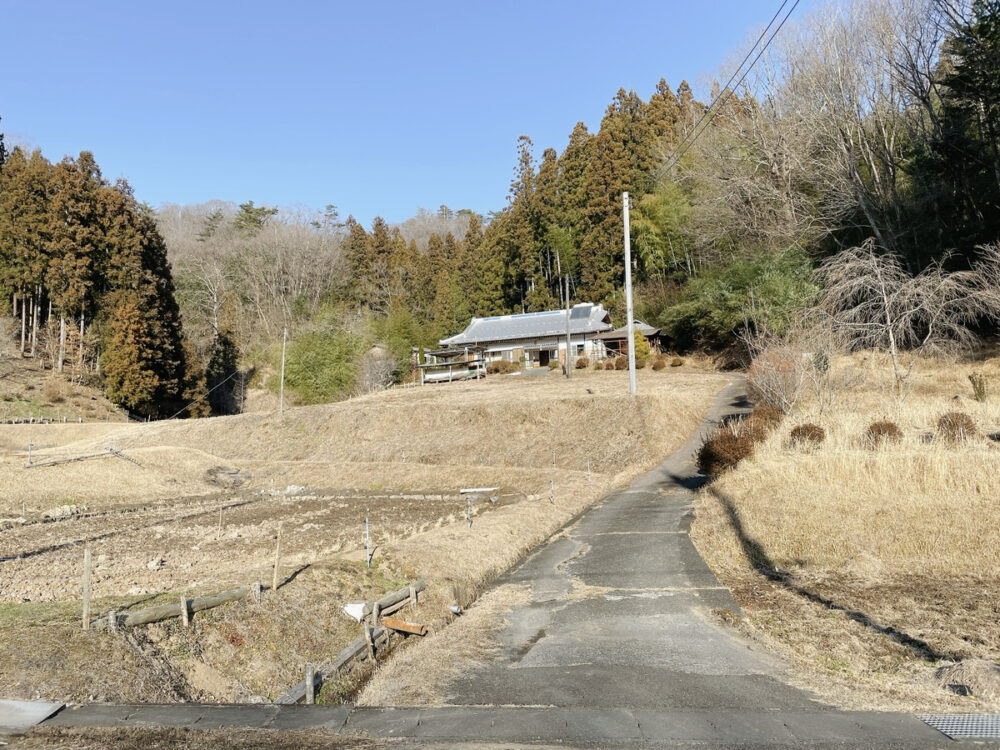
618,647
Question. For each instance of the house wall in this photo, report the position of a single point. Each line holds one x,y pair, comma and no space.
530,349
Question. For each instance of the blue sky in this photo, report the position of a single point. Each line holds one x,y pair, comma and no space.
377,107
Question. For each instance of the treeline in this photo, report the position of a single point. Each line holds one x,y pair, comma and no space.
84,273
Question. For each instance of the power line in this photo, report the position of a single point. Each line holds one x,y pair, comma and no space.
727,91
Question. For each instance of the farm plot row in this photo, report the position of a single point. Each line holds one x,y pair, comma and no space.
208,541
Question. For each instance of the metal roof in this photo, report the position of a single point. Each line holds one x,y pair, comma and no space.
622,333
584,318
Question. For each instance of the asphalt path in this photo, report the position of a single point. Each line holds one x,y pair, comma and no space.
622,644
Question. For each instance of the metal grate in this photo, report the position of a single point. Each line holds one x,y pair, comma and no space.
974,726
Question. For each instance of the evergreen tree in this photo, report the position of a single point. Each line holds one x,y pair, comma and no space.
251,219
622,160
221,375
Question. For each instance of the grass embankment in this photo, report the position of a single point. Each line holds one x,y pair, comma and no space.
872,569
359,458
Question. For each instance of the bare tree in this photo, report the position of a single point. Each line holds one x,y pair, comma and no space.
877,304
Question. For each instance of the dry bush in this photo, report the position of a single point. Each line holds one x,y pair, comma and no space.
956,426
659,363
621,363
777,376
52,390
501,367
582,363
808,433
677,362
609,364
640,363
725,449
377,371
883,431
767,415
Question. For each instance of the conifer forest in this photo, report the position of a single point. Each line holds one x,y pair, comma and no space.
877,121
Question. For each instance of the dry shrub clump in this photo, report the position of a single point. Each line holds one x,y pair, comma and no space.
808,433
883,431
501,367
659,363
766,415
956,426
677,362
582,363
640,362
725,449
621,363
609,364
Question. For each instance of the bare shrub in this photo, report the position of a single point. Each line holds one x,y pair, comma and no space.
609,364
956,426
582,363
52,390
621,363
640,363
808,433
677,362
879,305
377,371
883,431
659,363
777,376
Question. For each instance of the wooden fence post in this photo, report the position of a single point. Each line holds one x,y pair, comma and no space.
86,589
310,685
185,620
368,640
112,621
277,560
413,596
256,593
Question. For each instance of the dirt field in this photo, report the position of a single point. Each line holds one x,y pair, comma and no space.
873,570
199,512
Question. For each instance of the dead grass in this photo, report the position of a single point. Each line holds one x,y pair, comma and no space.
369,454
418,676
139,738
869,569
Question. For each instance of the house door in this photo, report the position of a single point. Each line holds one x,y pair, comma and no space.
543,358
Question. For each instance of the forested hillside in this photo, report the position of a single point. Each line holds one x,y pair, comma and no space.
85,276
876,121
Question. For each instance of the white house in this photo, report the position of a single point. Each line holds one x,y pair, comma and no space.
538,338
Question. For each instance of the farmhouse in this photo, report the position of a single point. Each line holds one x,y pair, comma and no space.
616,342
536,338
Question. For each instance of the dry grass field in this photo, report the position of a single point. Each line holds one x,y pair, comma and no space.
199,512
875,570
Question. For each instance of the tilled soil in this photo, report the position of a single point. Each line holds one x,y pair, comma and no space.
210,540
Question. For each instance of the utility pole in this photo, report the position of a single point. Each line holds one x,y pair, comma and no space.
569,362
281,391
628,298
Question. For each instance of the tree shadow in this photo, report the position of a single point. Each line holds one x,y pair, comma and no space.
764,565
293,575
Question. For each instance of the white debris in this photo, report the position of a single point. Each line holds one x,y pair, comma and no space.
355,610
156,563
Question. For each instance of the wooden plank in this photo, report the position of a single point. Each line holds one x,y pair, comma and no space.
402,626
394,601
166,611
